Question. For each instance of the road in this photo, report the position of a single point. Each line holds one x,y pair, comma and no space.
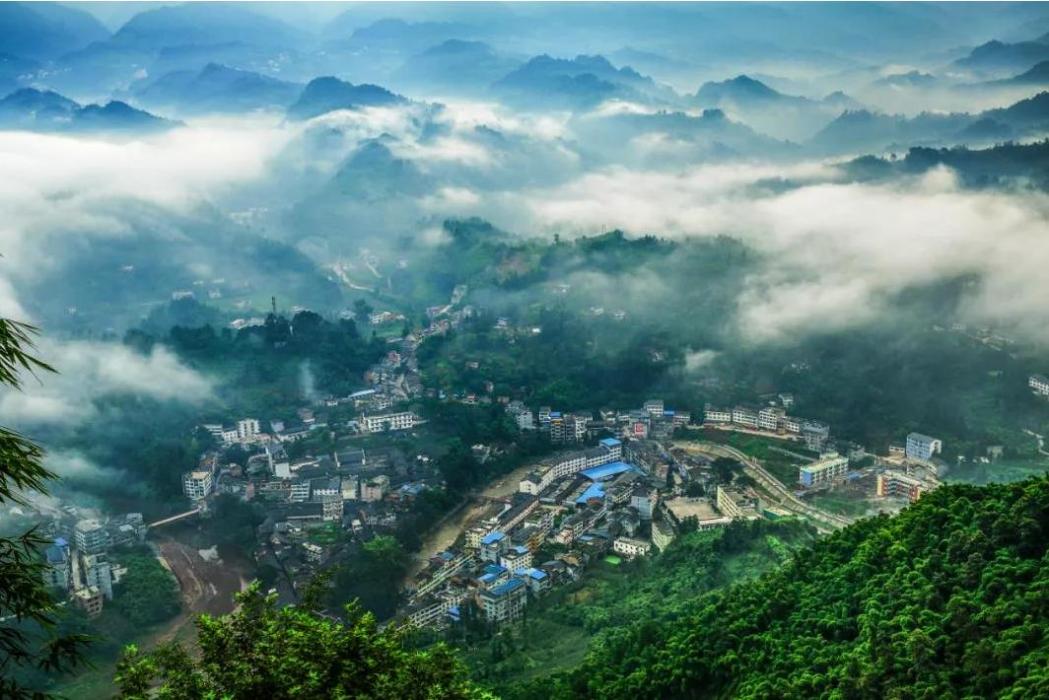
770,484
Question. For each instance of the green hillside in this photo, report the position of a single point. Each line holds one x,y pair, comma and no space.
950,599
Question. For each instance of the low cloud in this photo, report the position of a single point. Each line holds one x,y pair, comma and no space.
90,371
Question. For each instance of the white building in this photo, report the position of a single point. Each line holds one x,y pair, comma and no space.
654,407
824,471
405,420
98,573
769,417
516,558
747,417
91,537
1039,384
630,547
505,601
247,429
197,485
922,447
712,414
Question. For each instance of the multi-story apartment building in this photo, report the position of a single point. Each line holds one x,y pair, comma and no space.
713,414
504,602
247,429
91,537
385,422
922,447
375,488
824,471
769,417
98,573
630,547
894,483
516,558
746,417
1039,384
197,485
815,434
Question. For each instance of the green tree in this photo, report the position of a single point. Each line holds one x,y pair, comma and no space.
266,651
23,597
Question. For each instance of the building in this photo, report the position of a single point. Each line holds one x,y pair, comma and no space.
769,417
746,417
197,485
91,537
1039,384
823,471
712,414
516,558
299,491
57,566
247,429
653,407
375,488
90,600
504,602
614,448
493,545
644,500
736,504
790,424
537,580
388,421
98,573
922,447
900,485
815,434
631,548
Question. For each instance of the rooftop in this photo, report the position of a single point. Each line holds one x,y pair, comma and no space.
506,588
492,537
610,442
606,471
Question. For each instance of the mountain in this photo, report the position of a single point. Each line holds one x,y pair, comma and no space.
910,79
42,110
216,89
29,108
203,24
1038,74
578,83
742,90
948,599
43,31
996,56
1000,166
326,94
453,67
771,111
117,116
1032,113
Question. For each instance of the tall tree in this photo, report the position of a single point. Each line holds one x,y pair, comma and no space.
27,611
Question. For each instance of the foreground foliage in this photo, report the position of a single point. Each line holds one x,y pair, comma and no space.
265,651
950,599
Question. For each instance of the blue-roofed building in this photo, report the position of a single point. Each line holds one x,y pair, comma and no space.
615,447
492,545
57,567
594,492
536,580
607,471
504,602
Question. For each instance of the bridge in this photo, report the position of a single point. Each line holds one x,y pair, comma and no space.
174,518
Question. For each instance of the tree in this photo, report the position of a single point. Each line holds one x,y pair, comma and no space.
362,310
265,651
23,597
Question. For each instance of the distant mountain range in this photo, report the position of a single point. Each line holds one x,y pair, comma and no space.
871,131
996,56
454,67
45,30
327,94
216,89
578,83
760,106
38,110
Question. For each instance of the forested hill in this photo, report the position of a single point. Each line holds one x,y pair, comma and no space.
950,599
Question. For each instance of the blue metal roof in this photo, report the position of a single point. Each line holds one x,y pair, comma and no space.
507,587
536,574
610,442
595,490
606,471
492,537
487,578
494,569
